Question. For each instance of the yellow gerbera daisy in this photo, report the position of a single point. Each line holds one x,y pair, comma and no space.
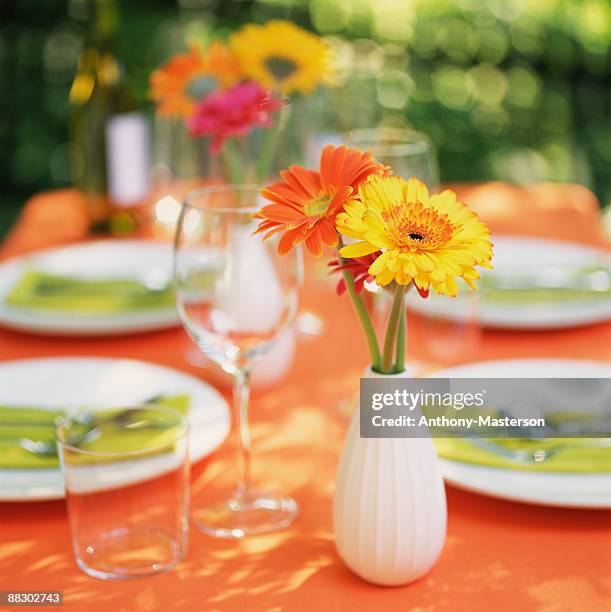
282,56
428,239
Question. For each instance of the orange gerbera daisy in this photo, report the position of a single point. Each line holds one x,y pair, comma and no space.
305,202
177,86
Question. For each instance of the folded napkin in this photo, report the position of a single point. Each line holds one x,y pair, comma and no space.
570,284
37,425
41,291
533,295
577,455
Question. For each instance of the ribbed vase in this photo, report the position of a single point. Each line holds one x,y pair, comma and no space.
390,508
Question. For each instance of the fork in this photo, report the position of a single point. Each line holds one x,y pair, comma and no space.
537,455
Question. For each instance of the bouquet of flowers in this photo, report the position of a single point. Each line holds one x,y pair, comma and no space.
401,235
227,91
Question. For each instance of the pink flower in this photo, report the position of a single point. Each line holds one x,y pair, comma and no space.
233,112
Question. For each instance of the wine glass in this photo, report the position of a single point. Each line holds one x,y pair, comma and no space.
236,296
409,153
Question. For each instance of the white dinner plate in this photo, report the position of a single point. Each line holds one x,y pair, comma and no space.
141,260
75,382
514,254
543,488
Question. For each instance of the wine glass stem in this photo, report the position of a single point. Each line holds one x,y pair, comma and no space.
241,395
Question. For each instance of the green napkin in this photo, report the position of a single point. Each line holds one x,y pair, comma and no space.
577,455
41,291
39,426
576,286
541,294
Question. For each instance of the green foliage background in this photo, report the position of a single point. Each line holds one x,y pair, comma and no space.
512,89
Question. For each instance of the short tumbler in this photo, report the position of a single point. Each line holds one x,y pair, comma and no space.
126,474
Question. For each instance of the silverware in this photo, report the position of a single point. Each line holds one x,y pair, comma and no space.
554,282
124,418
535,455
39,447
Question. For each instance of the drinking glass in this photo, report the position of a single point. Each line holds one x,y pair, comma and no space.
126,475
182,162
444,331
409,153
236,297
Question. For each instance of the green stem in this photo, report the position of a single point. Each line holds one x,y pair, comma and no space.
231,155
401,336
363,315
392,329
266,154
269,146
400,354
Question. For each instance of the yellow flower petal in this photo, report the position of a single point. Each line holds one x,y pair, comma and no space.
379,264
408,266
358,249
384,278
403,279
379,239
431,239
452,287
282,56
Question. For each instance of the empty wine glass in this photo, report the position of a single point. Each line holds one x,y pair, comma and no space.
236,296
407,152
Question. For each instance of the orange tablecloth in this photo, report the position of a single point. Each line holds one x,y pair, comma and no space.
498,556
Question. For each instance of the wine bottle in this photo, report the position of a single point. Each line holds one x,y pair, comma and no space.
110,140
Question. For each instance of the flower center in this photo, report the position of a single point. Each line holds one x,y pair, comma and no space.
414,228
280,67
318,206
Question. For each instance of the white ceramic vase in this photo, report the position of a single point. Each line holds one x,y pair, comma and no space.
390,508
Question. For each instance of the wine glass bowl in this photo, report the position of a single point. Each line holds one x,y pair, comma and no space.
236,296
409,153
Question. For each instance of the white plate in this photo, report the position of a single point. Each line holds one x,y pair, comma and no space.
511,253
543,488
97,382
131,259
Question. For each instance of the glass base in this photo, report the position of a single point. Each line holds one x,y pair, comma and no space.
242,515
130,553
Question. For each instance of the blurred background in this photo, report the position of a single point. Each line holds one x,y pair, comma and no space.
517,90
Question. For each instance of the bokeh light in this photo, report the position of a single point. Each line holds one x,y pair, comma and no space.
506,89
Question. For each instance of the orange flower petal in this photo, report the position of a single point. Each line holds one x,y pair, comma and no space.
283,198
327,231
340,170
281,214
264,225
288,240
273,231
331,164
302,179
339,199
314,244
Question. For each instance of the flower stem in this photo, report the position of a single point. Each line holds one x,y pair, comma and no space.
392,329
233,161
266,153
363,315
